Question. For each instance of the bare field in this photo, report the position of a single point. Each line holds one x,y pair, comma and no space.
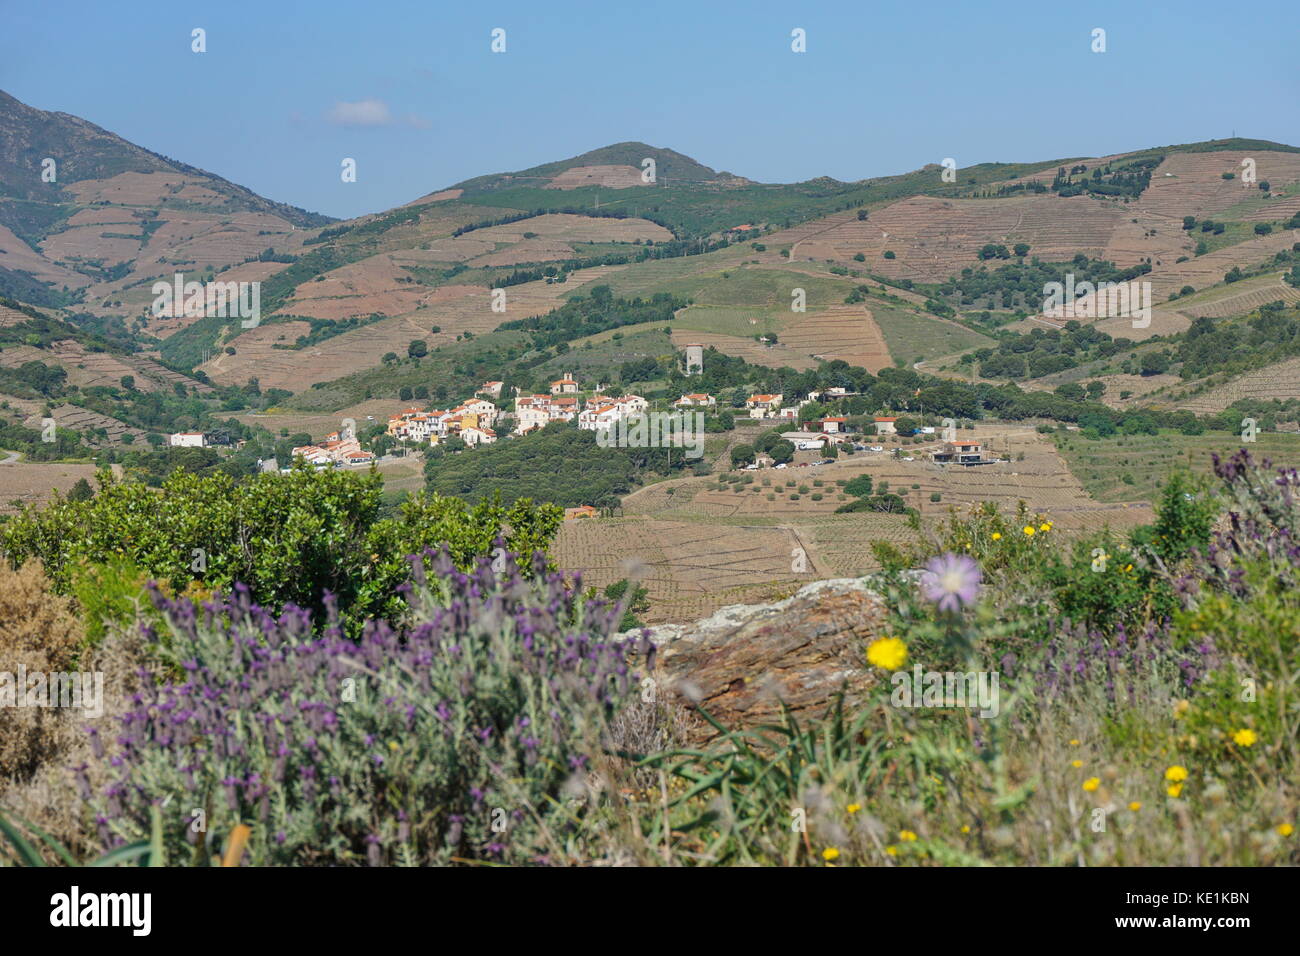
1192,184
689,569
615,177
30,483
933,238
848,332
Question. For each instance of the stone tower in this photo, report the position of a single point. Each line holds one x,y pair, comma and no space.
694,359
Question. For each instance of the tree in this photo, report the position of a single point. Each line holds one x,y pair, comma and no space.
418,348
128,382
81,491
742,455
859,487
404,393
1022,249
1155,363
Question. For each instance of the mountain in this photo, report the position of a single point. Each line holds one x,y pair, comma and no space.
85,214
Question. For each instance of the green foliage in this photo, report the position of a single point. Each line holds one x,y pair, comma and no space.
289,538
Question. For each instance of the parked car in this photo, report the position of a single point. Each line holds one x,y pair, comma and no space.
782,465
877,447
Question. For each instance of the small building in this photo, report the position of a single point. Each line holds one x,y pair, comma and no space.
189,440
885,425
582,511
962,453
695,400
564,386
832,425
477,435
763,406
490,388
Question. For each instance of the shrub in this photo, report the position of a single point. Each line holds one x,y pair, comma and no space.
288,538
38,634
485,707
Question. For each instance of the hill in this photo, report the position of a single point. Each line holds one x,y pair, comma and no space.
84,214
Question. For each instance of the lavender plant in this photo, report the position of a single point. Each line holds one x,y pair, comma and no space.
450,738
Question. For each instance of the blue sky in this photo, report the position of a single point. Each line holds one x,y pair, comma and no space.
883,87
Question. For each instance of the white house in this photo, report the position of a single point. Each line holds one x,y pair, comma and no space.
473,435
189,440
763,406
695,400
885,425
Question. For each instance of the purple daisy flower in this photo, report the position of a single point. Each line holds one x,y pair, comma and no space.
951,581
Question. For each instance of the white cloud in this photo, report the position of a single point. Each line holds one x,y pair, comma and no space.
361,113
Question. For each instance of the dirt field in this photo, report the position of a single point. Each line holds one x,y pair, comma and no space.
615,177
848,332
25,483
933,238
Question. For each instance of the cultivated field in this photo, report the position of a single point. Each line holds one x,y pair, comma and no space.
689,569
1280,381
1134,466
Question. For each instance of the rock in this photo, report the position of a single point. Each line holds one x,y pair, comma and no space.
743,661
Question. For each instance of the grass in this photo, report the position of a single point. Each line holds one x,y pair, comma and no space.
911,336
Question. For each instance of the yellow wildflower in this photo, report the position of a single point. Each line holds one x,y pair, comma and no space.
892,850
1029,530
888,653
1045,526
1076,764
1245,737
1175,790
1285,829
1135,806
965,828
997,535
1091,784
830,853
854,807
906,835
1074,743
1176,773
